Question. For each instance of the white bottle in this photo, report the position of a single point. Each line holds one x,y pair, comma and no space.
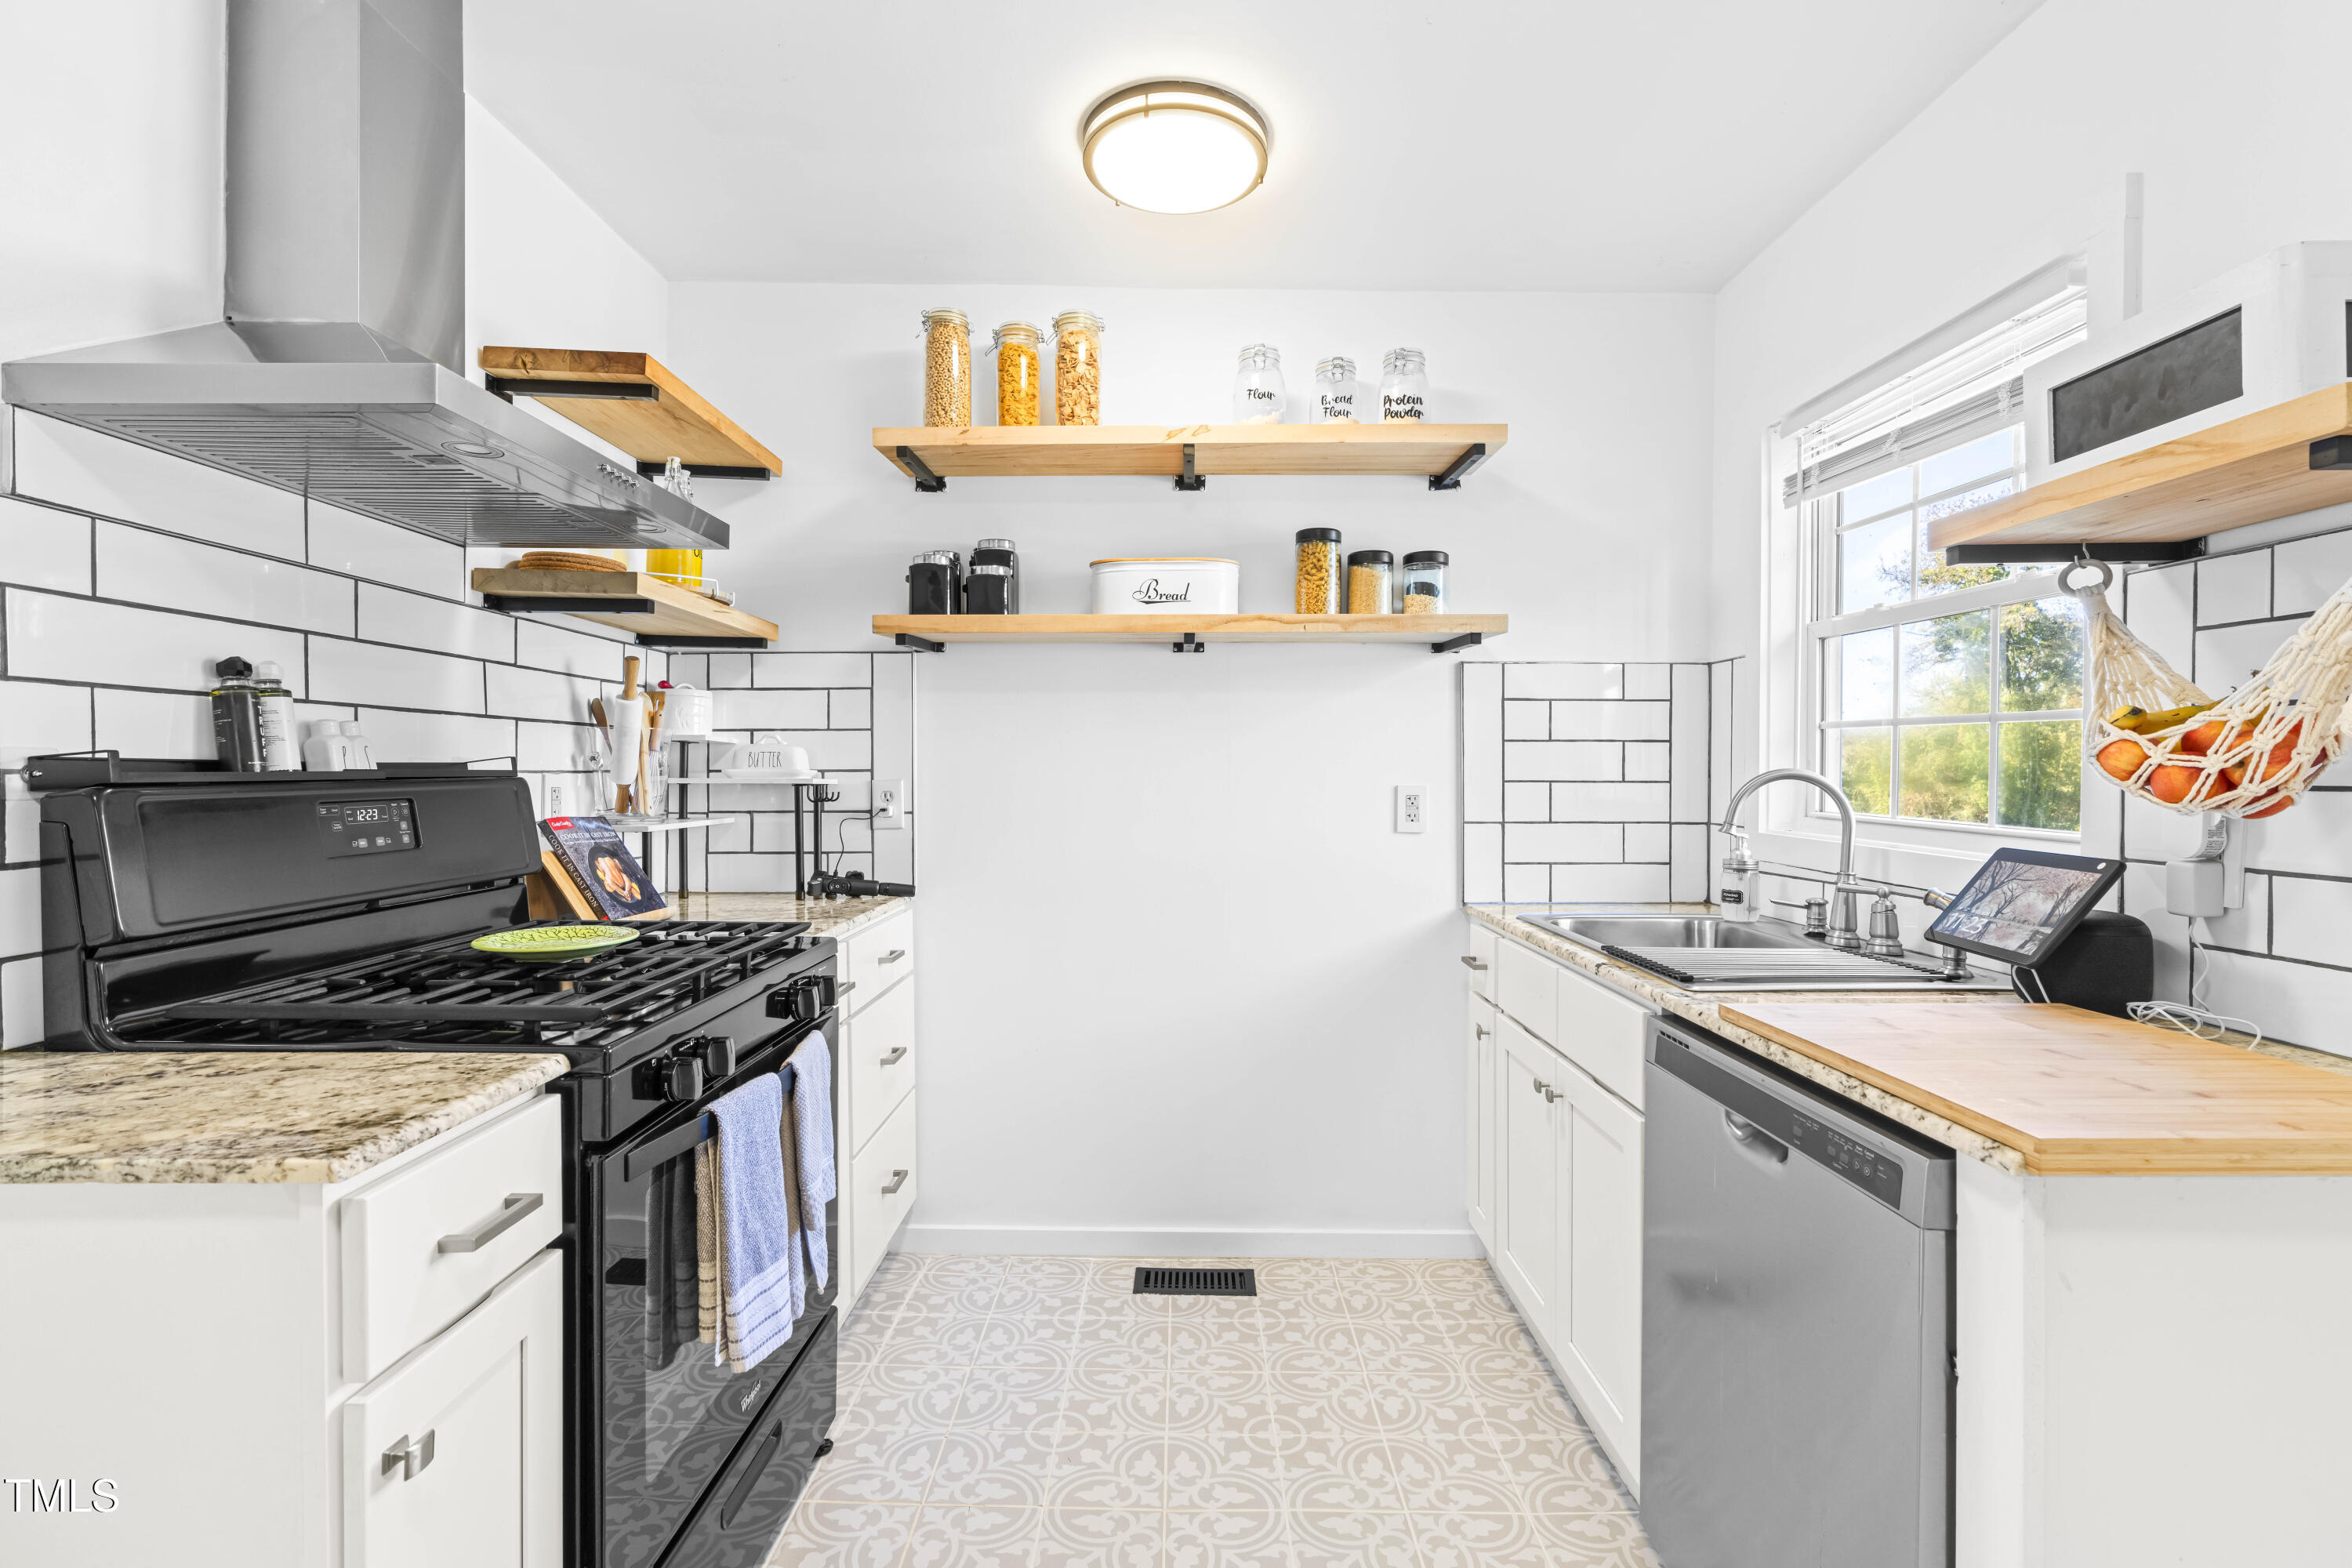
1739,895
323,751
357,753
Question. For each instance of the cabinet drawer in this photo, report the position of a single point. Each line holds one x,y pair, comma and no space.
1478,956
1603,1033
875,959
882,1178
881,1061
420,1247
1527,986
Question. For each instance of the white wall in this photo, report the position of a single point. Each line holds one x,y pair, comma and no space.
2234,119
1184,989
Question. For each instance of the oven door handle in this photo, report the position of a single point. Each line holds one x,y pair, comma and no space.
669,1145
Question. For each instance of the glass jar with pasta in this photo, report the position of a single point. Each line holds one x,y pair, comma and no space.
947,368
1320,583
1077,368
1019,376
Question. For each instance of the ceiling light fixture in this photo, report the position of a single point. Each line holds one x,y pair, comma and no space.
1174,147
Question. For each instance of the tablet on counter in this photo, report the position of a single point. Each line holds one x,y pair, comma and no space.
2022,903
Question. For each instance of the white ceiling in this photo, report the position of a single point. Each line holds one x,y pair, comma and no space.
1468,145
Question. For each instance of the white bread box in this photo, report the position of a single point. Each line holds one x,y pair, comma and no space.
1168,586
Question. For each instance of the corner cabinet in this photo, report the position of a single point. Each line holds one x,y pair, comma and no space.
873,1138
1554,1170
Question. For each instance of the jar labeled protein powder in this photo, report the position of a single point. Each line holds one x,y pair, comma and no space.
1368,572
1077,368
1405,387
1318,572
947,368
1334,391
1421,585
1020,378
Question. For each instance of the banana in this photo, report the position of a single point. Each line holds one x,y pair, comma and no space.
2127,716
2156,724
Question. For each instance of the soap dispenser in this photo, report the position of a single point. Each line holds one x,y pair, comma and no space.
1740,898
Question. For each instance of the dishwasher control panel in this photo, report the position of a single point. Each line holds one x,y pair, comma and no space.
1866,1167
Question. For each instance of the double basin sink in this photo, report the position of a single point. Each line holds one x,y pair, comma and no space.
1765,954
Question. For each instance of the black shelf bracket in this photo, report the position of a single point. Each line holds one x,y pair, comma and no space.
568,605
920,645
2036,553
706,471
1191,643
2332,452
510,387
1467,639
1451,479
658,639
930,483
1188,479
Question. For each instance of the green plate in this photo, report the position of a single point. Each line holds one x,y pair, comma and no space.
543,944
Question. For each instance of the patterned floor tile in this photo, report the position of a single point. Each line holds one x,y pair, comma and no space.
1224,1539
843,1536
1353,1538
1100,1538
973,1538
1595,1540
890,1467
1112,1470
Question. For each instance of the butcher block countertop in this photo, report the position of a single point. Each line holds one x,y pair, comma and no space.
2079,1093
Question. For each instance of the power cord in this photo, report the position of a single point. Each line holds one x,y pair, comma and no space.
2192,1016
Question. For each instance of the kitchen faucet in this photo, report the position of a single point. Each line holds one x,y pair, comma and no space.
1845,924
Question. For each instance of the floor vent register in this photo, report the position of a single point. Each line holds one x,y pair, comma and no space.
1196,1281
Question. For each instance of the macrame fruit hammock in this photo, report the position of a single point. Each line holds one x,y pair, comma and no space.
2250,754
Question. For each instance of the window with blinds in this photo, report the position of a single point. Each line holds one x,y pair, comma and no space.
1939,694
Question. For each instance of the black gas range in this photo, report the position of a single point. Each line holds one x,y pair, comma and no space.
235,913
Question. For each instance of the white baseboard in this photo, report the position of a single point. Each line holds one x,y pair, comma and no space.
1055,1241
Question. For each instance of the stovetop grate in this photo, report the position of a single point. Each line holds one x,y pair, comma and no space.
445,993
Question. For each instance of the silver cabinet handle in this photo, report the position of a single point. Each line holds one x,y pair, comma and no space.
893,956
892,1060
844,988
408,1457
1473,962
897,1180
1545,1090
1483,1030
510,1215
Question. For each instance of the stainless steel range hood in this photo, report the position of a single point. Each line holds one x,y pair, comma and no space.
338,374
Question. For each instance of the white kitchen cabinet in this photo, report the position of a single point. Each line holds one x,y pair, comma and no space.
1478,958
1528,1254
454,1458
1598,1324
1527,986
875,1055
1601,1031
881,1061
881,1185
1480,1048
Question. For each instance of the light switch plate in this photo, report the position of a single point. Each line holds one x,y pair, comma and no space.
1412,808
890,805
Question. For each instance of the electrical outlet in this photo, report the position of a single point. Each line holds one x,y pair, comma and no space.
890,805
1412,808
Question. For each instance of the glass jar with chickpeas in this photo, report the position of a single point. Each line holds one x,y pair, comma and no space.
1077,368
947,368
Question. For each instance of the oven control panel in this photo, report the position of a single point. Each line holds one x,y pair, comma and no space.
367,826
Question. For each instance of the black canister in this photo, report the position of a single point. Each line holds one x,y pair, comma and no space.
935,584
999,553
988,590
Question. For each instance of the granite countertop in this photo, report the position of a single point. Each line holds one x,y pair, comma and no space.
827,917
240,1116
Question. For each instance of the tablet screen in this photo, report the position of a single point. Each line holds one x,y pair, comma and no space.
2021,903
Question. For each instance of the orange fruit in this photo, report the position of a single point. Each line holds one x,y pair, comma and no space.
2277,805
2173,783
2200,740
2122,758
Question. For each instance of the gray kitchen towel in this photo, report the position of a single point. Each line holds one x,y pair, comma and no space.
812,1066
761,1292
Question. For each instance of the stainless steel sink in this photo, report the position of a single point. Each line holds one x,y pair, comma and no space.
1670,931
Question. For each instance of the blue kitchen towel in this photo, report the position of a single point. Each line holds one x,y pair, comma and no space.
763,1288
812,1067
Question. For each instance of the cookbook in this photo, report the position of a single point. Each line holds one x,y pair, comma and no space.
592,852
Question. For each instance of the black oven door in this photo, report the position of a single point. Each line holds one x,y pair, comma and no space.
664,1413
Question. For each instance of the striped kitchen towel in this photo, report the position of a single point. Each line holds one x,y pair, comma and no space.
812,1069
747,1248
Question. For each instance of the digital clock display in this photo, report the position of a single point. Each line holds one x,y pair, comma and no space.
367,826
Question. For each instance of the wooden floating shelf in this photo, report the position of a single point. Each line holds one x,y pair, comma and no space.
1442,632
661,612
633,401
932,454
2272,464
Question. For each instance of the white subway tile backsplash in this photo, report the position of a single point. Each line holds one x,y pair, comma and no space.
2249,925
783,709
1525,842
2159,605
37,720
1527,721
553,748
400,737
894,722
1482,863
174,574
2297,1002
749,873
444,626
2308,571
1648,760
568,649
1483,711
20,1004
1526,803
346,541
1609,884
1529,760
42,547
1690,743
691,670
89,473
20,912
830,749
1646,841
850,709
374,675
1691,876
813,669
2313,836
1626,721
731,837
1608,803
56,638
2143,899
2230,656
2313,917
517,693
1526,884
2233,588
1563,682
730,669
1648,682
154,724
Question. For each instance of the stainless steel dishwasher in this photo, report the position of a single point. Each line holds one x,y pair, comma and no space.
1796,1321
